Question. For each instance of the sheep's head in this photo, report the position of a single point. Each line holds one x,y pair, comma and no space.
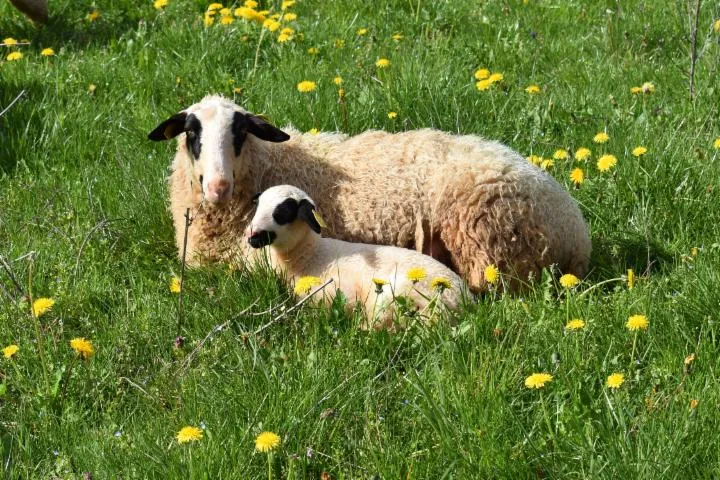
212,133
282,218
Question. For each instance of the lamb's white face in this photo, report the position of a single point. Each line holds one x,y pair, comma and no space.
283,216
212,133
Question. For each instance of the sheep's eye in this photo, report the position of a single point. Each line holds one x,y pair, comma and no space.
255,198
190,135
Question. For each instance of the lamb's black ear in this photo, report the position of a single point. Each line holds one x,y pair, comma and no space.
170,128
265,131
305,213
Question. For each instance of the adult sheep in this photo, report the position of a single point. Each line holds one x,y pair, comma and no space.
464,200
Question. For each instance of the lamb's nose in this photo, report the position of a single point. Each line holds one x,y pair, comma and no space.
219,191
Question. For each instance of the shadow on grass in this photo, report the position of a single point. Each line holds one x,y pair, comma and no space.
69,27
613,255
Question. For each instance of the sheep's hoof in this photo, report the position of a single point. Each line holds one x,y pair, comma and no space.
37,10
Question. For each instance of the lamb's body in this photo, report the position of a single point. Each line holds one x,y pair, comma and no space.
352,266
465,201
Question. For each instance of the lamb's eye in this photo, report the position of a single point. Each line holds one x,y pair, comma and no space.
255,198
190,135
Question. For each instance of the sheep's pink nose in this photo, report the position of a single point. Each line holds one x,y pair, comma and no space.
218,191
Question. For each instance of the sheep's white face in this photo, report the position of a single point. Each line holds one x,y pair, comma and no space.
283,216
212,133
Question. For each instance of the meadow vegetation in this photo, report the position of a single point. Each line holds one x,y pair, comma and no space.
613,376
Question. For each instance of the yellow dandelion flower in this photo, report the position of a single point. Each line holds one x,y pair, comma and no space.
688,360
639,151
313,131
227,19
560,154
284,37
538,380
569,280
341,93
694,402
189,434
361,31
82,347
289,17
306,86
482,74
716,144
339,43
160,4
415,274
92,16
637,322
382,63
496,77
630,278
379,282
491,274
271,24
175,285
237,90
91,88
47,52
547,164
601,137
392,115
575,324
287,31
214,6
10,42
14,56
338,80
440,283
208,20
694,251
245,12
534,159
648,87
225,11
582,153
615,380
267,442
636,90
287,4
250,3
42,306
483,85
532,89
397,37
716,26
10,351
606,162
577,176
305,284
313,51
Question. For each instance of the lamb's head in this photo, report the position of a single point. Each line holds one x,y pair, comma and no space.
284,216
212,133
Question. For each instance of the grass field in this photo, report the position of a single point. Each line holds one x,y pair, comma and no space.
84,221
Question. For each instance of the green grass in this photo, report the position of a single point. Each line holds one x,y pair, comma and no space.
84,191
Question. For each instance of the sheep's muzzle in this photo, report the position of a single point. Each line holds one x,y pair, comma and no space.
261,239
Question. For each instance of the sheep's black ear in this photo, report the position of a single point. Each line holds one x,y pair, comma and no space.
170,128
307,215
265,131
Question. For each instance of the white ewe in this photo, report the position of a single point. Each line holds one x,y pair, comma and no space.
466,201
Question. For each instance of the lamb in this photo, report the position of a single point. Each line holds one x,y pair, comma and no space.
287,221
463,200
